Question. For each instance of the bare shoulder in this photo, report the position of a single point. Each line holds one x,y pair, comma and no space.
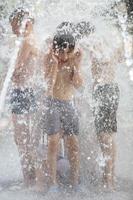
47,56
49,59
78,56
78,53
31,44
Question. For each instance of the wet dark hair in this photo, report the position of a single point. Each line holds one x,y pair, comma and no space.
65,27
20,13
62,41
84,28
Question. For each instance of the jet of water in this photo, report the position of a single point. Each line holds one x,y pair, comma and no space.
11,68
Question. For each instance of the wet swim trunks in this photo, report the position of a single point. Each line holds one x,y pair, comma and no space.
106,99
60,115
22,101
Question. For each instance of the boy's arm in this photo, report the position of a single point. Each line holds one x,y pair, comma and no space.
77,79
119,55
23,55
50,70
22,58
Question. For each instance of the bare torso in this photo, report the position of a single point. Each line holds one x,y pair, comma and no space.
63,88
105,57
103,72
25,65
66,76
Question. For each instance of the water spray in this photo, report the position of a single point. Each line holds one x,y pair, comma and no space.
124,19
127,38
11,69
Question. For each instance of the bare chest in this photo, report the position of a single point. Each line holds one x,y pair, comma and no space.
65,72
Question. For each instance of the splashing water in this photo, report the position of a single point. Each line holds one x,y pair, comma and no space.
11,69
127,38
49,14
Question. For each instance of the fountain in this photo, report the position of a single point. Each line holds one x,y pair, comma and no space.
49,14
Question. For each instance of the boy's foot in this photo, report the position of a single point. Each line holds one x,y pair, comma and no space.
77,188
109,188
54,189
38,189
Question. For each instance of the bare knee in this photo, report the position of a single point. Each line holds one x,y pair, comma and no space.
106,142
53,142
73,146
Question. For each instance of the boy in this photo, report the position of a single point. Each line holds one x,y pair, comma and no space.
63,76
22,96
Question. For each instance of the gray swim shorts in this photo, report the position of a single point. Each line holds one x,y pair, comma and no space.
60,115
106,104
23,101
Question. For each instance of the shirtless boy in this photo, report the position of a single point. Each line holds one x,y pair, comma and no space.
106,95
22,96
63,76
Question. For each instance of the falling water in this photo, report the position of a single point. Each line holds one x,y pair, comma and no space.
49,14
12,63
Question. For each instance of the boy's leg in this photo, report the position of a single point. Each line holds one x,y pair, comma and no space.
22,140
35,134
41,177
108,149
113,159
70,122
53,145
72,144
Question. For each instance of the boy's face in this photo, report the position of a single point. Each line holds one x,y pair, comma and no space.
15,24
64,55
28,28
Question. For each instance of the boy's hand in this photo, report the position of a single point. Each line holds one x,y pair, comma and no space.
51,68
77,59
54,58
